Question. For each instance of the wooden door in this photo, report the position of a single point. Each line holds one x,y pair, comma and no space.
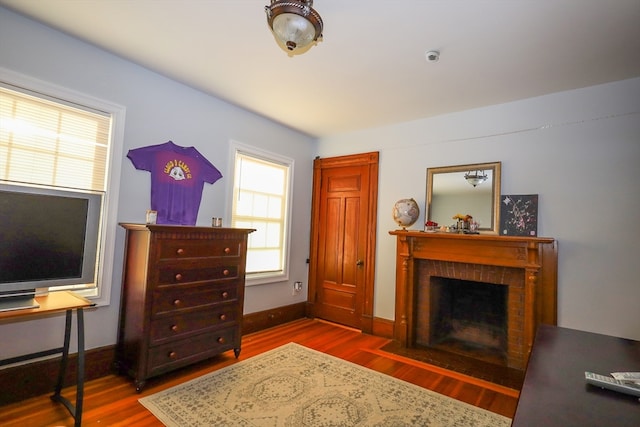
343,239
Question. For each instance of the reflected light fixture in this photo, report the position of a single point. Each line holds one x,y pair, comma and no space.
475,178
295,24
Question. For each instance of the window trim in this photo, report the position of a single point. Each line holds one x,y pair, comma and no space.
238,147
101,294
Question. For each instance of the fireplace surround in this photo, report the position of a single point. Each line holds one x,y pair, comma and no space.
525,267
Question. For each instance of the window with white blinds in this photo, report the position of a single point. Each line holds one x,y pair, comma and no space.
56,144
261,201
49,142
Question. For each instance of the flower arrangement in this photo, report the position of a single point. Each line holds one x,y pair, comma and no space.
464,218
431,225
464,221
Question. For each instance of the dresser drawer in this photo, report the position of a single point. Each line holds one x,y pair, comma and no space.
176,298
177,353
185,248
168,275
179,326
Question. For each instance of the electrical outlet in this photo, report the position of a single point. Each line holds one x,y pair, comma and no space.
297,287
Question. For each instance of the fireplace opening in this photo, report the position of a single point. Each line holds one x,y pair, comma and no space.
469,318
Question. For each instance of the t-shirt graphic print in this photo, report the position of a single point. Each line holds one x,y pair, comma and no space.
178,175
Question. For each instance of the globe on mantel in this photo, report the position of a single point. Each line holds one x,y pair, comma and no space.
405,212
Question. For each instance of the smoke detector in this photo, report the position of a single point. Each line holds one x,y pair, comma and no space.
432,56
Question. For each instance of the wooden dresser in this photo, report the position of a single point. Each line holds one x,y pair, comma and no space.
182,297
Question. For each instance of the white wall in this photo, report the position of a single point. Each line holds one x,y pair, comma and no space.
579,150
157,109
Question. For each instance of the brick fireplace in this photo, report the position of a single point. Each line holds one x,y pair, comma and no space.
479,295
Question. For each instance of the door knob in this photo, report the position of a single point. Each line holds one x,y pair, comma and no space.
360,263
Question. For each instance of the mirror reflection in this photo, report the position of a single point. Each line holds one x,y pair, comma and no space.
467,190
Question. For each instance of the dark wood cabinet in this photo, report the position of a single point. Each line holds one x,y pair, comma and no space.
182,297
555,393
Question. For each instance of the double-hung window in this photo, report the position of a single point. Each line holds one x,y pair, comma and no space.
54,143
261,201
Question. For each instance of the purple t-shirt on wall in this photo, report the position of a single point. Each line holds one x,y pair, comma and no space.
178,175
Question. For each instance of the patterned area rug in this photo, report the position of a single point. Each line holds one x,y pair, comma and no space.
294,386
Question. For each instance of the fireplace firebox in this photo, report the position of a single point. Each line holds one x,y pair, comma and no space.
464,316
477,295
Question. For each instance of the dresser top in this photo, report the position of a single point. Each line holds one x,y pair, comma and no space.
182,228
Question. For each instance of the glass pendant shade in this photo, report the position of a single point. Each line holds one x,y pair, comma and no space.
294,23
293,30
475,178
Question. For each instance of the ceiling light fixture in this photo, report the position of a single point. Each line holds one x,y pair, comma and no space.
475,178
295,24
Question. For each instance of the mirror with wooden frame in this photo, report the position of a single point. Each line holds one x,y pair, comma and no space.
467,190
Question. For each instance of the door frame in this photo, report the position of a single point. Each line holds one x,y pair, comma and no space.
371,160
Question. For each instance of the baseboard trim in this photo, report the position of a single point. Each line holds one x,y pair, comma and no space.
38,378
383,327
255,322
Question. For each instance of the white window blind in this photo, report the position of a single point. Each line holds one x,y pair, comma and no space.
57,144
53,143
260,201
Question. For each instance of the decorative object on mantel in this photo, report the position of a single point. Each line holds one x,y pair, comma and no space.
462,221
465,224
405,212
295,24
431,226
519,215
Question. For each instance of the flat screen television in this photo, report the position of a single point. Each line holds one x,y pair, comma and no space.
48,239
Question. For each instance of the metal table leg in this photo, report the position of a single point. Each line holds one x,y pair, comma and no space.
76,411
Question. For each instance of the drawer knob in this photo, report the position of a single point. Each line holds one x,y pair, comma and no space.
178,277
177,302
225,272
172,355
221,340
180,251
223,317
174,328
227,250
225,294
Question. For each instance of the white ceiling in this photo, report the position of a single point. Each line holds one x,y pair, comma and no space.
370,69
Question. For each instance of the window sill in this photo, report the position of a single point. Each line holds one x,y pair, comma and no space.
265,279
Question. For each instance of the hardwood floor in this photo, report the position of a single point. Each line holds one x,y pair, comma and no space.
113,401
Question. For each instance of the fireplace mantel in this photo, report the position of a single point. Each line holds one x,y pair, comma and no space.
532,303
